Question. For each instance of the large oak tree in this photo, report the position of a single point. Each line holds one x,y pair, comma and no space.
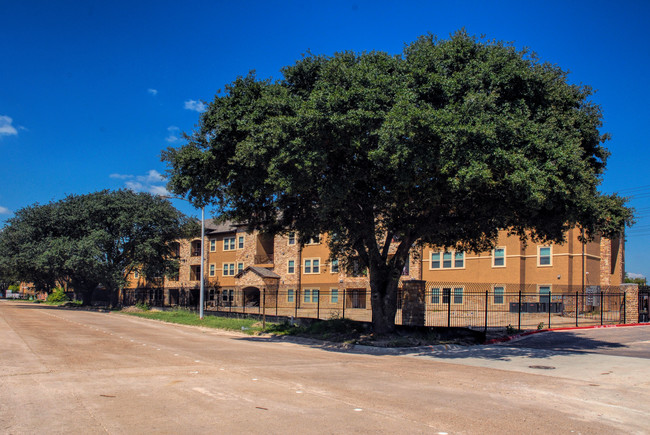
444,144
92,239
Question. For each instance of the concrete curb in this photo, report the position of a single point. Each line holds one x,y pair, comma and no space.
527,333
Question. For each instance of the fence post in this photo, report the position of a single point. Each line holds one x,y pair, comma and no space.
343,303
486,310
295,303
318,305
601,306
519,313
624,307
243,302
264,308
448,308
576,308
277,296
549,309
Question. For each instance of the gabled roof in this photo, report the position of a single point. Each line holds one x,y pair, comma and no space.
261,271
222,227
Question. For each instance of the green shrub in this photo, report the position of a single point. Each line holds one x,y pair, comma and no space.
57,296
143,306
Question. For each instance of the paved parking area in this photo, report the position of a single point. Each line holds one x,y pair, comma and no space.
69,371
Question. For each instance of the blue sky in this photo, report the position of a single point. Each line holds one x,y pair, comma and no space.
91,92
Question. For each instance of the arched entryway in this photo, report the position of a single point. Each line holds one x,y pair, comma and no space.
251,297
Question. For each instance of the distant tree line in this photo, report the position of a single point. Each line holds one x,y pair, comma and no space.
92,240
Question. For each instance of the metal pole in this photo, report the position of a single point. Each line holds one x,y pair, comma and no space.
577,307
277,295
549,309
318,305
295,303
202,296
519,324
448,307
486,309
601,306
624,307
344,303
264,308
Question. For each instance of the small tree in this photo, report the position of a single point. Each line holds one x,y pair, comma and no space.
444,145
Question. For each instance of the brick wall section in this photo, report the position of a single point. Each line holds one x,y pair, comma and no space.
631,302
282,253
605,261
413,307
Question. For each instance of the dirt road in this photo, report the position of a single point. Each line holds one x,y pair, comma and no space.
67,371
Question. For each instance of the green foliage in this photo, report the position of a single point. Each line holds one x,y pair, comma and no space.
143,306
14,288
540,325
444,145
57,296
639,280
91,239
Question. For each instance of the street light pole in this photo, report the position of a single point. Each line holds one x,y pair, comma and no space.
202,278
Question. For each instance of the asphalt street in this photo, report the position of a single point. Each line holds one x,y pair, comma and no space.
73,371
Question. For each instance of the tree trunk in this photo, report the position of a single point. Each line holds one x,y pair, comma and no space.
383,291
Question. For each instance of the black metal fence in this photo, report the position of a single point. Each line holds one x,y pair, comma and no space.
479,306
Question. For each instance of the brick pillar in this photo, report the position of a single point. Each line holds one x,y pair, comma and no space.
413,303
631,303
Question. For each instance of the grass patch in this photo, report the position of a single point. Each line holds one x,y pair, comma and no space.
185,317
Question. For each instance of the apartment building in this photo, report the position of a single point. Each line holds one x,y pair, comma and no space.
242,267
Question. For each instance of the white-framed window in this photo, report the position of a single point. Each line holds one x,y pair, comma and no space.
136,274
334,266
312,265
290,295
291,238
447,260
435,295
499,257
313,240
314,295
498,294
229,243
240,242
334,296
291,266
306,295
213,245
213,269
544,256
458,295
228,269
435,260
544,293
240,267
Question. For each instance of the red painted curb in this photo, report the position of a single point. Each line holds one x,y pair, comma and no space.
524,334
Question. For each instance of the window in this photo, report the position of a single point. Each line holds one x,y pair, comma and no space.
213,245
195,248
312,265
334,266
458,295
334,296
435,260
498,295
213,269
306,295
544,257
405,270
446,292
227,295
229,244
228,269
447,260
459,260
290,295
314,295
291,266
292,238
136,275
240,242
545,293
240,267
498,257
435,295
313,240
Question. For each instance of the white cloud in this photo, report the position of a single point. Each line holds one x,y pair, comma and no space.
5,210
153,182
153,92
633,275
173,130
197,106
6,129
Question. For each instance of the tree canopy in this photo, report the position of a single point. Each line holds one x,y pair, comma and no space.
93,239
445,144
